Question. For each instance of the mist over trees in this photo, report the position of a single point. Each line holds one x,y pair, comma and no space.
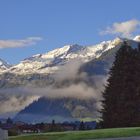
121,97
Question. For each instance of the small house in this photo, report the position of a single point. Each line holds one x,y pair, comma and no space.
3,134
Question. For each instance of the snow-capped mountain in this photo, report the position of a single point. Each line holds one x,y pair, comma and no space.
137,38
51,61
51,75
3,65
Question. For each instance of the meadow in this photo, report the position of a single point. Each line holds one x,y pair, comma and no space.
82,135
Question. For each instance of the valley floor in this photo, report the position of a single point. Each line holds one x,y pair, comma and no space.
100,134
123,138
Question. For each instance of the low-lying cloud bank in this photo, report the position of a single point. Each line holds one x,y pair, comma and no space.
17,98
79,91
14,103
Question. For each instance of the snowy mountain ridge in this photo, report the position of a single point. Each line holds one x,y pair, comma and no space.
4,65
51,61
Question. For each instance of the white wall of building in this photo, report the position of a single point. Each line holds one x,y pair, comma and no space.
3,134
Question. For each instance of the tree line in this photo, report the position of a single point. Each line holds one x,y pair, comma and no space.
121,97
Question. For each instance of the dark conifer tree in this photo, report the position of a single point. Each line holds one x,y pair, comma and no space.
119,103
53,126
82,126
136,115
9,121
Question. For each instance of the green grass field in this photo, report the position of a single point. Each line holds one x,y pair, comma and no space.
83,135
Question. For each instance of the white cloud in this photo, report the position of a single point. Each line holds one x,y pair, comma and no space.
15,103
124,29
16,99
19,43
68,71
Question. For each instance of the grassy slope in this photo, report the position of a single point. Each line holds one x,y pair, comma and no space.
79,135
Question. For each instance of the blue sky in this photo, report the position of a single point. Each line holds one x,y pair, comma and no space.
47,24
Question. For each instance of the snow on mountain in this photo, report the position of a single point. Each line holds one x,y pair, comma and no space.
3,65
51,61
137,38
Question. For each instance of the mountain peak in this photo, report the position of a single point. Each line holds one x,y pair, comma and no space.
74,47
63,51
137,38
4,65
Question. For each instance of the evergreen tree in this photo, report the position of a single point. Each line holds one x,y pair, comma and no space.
137,91
9,121
120,101
53,126
82,126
